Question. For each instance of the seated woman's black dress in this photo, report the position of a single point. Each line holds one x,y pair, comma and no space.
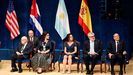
42,60
70,48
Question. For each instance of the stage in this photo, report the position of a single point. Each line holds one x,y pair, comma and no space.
5,70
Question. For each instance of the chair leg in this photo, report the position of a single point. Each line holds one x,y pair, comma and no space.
78,67
29,69
54,66
28,66
125,68
109,67
105,67
101,67
50,67
58,67
81,68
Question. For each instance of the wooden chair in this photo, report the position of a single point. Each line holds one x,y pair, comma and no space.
107,62
76,60
124,66
27,62
99,62
53,44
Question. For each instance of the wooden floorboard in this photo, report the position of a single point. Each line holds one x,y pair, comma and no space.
5,70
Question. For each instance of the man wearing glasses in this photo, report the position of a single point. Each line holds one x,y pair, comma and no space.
92,52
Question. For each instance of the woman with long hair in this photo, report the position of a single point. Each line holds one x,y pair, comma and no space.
70,49
42,60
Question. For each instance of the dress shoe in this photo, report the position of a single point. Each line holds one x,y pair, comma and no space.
39,72
112,73
91,73
20,71
88,73
120,73
14,70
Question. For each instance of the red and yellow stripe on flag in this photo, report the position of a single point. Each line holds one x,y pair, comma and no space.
84,18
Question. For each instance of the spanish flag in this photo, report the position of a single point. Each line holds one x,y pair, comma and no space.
84,18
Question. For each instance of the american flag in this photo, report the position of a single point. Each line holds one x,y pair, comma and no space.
11,21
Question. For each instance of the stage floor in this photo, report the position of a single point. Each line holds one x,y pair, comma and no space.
5,70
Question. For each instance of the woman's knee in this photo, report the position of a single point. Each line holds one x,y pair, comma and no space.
65,56
70,57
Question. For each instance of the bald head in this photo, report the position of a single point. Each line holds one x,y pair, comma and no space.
24,40
116,37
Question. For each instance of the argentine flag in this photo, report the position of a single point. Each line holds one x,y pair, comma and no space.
35,19
62,22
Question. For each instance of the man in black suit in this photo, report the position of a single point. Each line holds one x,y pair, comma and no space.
34,40
92,52
117,50
22,52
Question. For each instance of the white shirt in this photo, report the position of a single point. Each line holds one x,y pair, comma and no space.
92,51
23,47
31,38
116,45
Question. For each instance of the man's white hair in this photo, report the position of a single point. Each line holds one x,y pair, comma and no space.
24,37
91,34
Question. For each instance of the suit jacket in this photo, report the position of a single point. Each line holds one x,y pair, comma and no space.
27,50
97,47
35,41
120,48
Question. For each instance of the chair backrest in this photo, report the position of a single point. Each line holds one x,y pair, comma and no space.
104,55
53,46
78,48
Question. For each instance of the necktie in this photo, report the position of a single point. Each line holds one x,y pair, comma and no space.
31,39
22,48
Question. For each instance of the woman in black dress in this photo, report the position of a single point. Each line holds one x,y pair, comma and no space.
70,49
42,60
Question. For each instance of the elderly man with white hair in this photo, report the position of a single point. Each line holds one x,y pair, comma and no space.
92,52
117,50
22,52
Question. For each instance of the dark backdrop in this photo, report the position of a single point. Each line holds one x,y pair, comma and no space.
104,29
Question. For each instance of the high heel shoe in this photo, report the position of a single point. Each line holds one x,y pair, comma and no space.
39,72
68,72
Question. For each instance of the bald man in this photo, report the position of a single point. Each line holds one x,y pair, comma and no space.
92,52
22,52
117,50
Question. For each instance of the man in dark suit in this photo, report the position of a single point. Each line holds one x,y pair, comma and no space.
34,40
22,52
117,50
92,52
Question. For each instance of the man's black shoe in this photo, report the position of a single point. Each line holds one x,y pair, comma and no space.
112,73
120,73
14,70
20,71
88,72
91,73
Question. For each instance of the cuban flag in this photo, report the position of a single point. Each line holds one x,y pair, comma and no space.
35,19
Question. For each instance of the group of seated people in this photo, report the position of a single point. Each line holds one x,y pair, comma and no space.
42,57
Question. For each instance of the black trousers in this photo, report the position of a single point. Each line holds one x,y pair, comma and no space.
117,58
19,59
90,58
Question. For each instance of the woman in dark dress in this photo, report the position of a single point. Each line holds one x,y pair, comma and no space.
42,60
70,49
